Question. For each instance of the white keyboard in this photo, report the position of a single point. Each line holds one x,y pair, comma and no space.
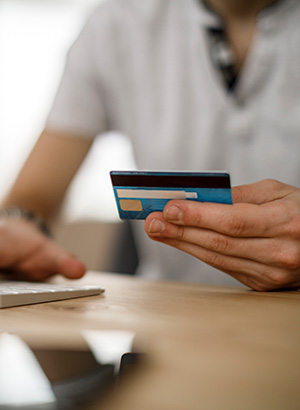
26,293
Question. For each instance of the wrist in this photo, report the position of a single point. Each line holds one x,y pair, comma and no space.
27,215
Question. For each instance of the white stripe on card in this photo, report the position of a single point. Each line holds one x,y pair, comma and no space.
155,194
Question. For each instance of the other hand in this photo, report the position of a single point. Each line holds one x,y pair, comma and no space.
29,254
256,240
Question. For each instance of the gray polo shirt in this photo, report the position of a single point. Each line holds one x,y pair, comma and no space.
143,67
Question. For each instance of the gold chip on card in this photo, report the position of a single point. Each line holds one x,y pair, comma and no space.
131,205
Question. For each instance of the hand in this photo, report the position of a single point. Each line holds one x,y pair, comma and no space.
256,240
28,254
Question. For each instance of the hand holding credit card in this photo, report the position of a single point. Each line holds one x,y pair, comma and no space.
138,193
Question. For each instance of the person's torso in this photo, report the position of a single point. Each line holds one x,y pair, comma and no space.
160,87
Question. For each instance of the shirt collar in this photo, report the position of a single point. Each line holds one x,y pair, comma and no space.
208,18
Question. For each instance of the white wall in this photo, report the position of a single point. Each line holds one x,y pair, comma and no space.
34,37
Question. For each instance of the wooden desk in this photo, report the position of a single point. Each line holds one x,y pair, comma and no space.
209,347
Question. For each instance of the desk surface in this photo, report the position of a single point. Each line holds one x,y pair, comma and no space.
211,347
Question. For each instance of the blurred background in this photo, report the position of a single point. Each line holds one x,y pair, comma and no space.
34,38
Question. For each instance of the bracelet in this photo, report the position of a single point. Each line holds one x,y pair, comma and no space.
22,213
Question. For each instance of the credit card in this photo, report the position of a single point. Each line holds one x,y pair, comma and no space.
138,193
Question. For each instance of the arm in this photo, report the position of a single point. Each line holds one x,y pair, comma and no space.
79,107
256,240
47,173
40,187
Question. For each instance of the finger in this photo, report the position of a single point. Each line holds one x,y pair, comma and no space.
24,249
273,252
260,192
240,220
255,275
47,260
70,267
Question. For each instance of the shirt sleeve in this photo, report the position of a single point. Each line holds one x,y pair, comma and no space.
78,107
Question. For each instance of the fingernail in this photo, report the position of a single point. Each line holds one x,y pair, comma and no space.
173,213
156,226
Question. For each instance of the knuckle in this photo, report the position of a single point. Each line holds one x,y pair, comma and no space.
275,279
213,259
290,225
280,280
293,227
273,184
260,287
195,217
180,233
289,258
235,226
237,194
220,243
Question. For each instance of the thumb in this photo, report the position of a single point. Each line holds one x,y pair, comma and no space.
261,192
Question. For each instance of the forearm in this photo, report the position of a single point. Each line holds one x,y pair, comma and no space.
25,248
47,173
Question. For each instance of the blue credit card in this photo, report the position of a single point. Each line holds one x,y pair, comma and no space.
138,193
